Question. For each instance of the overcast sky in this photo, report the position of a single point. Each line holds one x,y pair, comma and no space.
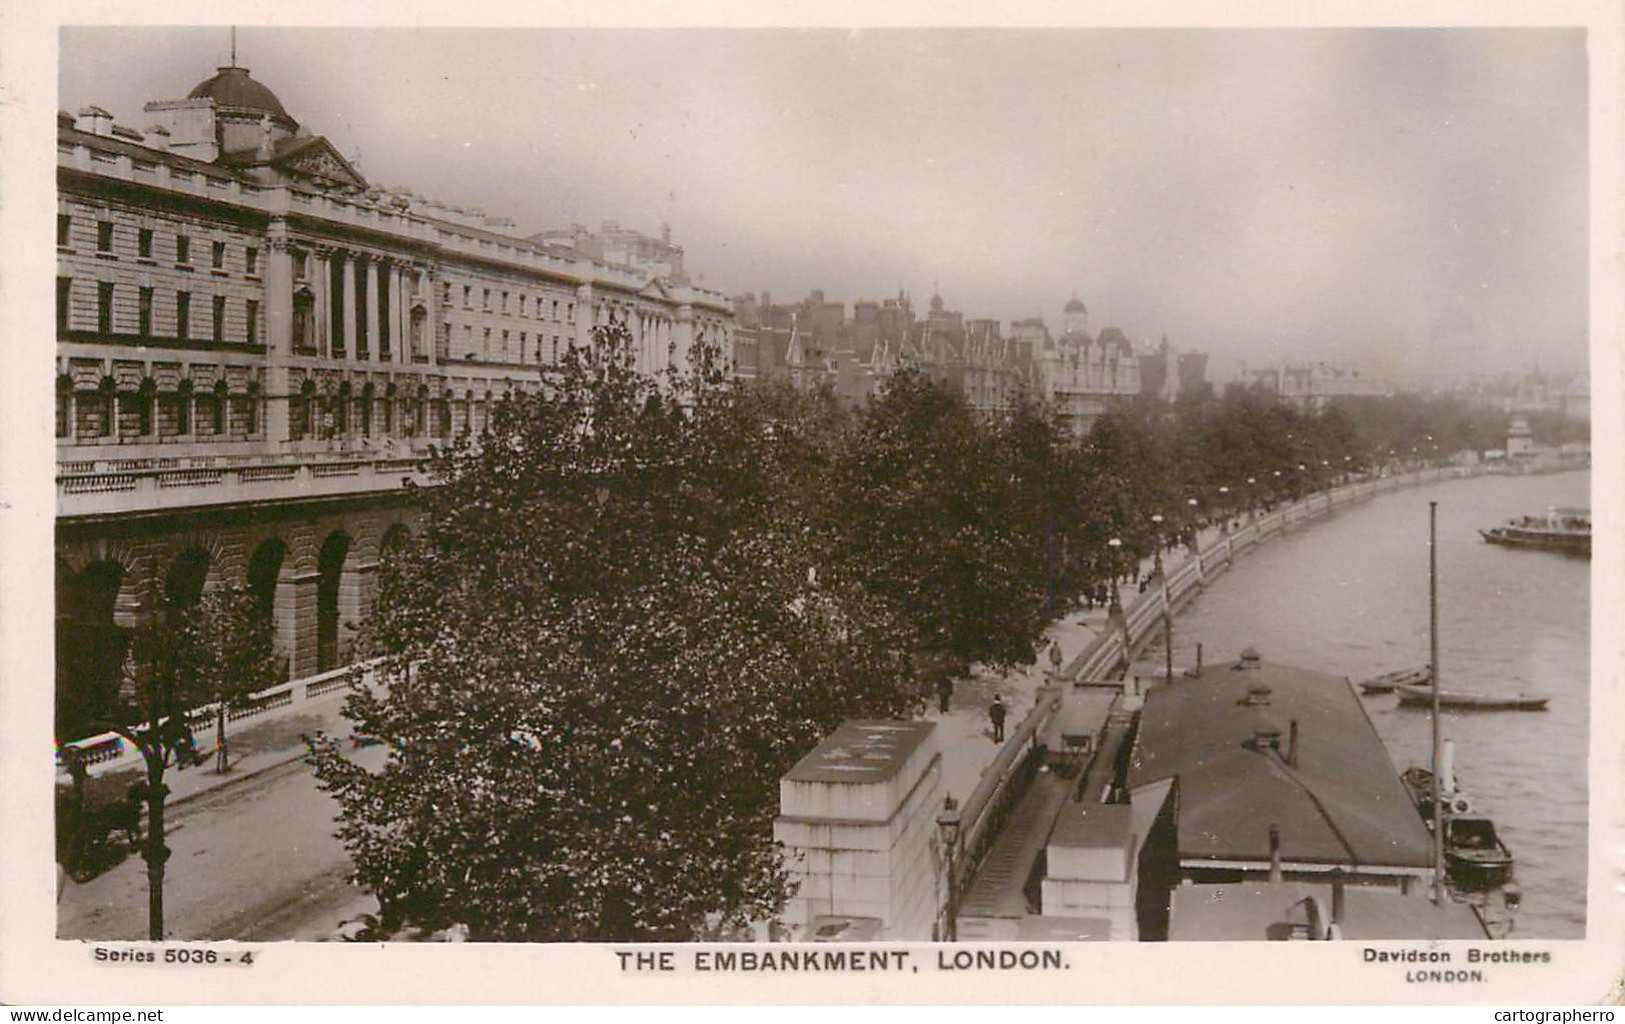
1387,196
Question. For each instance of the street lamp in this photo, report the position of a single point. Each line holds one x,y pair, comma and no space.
948,828
1117,601
1157,564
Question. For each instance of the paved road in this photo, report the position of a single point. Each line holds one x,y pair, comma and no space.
252,860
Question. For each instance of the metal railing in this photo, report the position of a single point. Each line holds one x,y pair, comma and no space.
1107,655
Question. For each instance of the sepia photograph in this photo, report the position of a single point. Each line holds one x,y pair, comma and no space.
827,499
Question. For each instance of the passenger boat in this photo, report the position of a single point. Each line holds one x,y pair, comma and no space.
1422,696
1561,529
1386,682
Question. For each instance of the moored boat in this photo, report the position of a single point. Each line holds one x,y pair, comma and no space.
1422,696
1386,682
1561,529
1475,857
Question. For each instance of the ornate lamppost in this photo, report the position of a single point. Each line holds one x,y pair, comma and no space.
1117,600
1156,519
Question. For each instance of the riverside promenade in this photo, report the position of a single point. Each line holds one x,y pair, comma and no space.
1098,647
267,740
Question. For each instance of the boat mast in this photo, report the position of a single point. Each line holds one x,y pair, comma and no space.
1433,672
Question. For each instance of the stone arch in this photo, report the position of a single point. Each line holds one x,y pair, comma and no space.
217,556
333,587
186,578
264,570
90,644
395,536
268,580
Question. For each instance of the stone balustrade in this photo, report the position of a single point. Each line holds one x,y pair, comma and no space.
124,486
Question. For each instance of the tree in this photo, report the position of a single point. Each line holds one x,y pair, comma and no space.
927,511
609,640
236,654
188,655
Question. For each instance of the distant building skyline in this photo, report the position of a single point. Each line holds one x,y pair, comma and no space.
1222,187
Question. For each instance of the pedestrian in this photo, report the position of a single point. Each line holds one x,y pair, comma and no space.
945,691
995,712
1055,657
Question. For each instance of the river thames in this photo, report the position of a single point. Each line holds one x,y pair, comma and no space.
1349,595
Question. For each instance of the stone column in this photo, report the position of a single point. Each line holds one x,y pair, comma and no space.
319,309
431,317
398,305
278,331
347,305
683,335
374,342
585,316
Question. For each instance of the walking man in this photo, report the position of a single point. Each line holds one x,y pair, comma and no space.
995,712
945,691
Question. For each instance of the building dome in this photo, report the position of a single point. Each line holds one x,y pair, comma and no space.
1075,306
232,88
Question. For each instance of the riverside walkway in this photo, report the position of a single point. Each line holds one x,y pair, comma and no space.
1002,834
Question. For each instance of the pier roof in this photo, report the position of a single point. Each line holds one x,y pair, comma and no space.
1271,910
1225,736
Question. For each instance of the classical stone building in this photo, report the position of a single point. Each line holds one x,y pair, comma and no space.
1079,374
256,346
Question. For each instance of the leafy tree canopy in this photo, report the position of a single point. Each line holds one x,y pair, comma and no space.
603,650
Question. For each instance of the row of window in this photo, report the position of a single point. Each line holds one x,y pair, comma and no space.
540,305
92,417
143,246
326,418
106,292
545,350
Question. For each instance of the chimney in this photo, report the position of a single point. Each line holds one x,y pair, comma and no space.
665,232
1275,853
1292,744
94,120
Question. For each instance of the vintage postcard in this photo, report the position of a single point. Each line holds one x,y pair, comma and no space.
813,505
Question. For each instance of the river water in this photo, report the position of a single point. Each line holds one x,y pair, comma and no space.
1348,594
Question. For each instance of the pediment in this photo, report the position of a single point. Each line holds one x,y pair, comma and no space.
316,158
